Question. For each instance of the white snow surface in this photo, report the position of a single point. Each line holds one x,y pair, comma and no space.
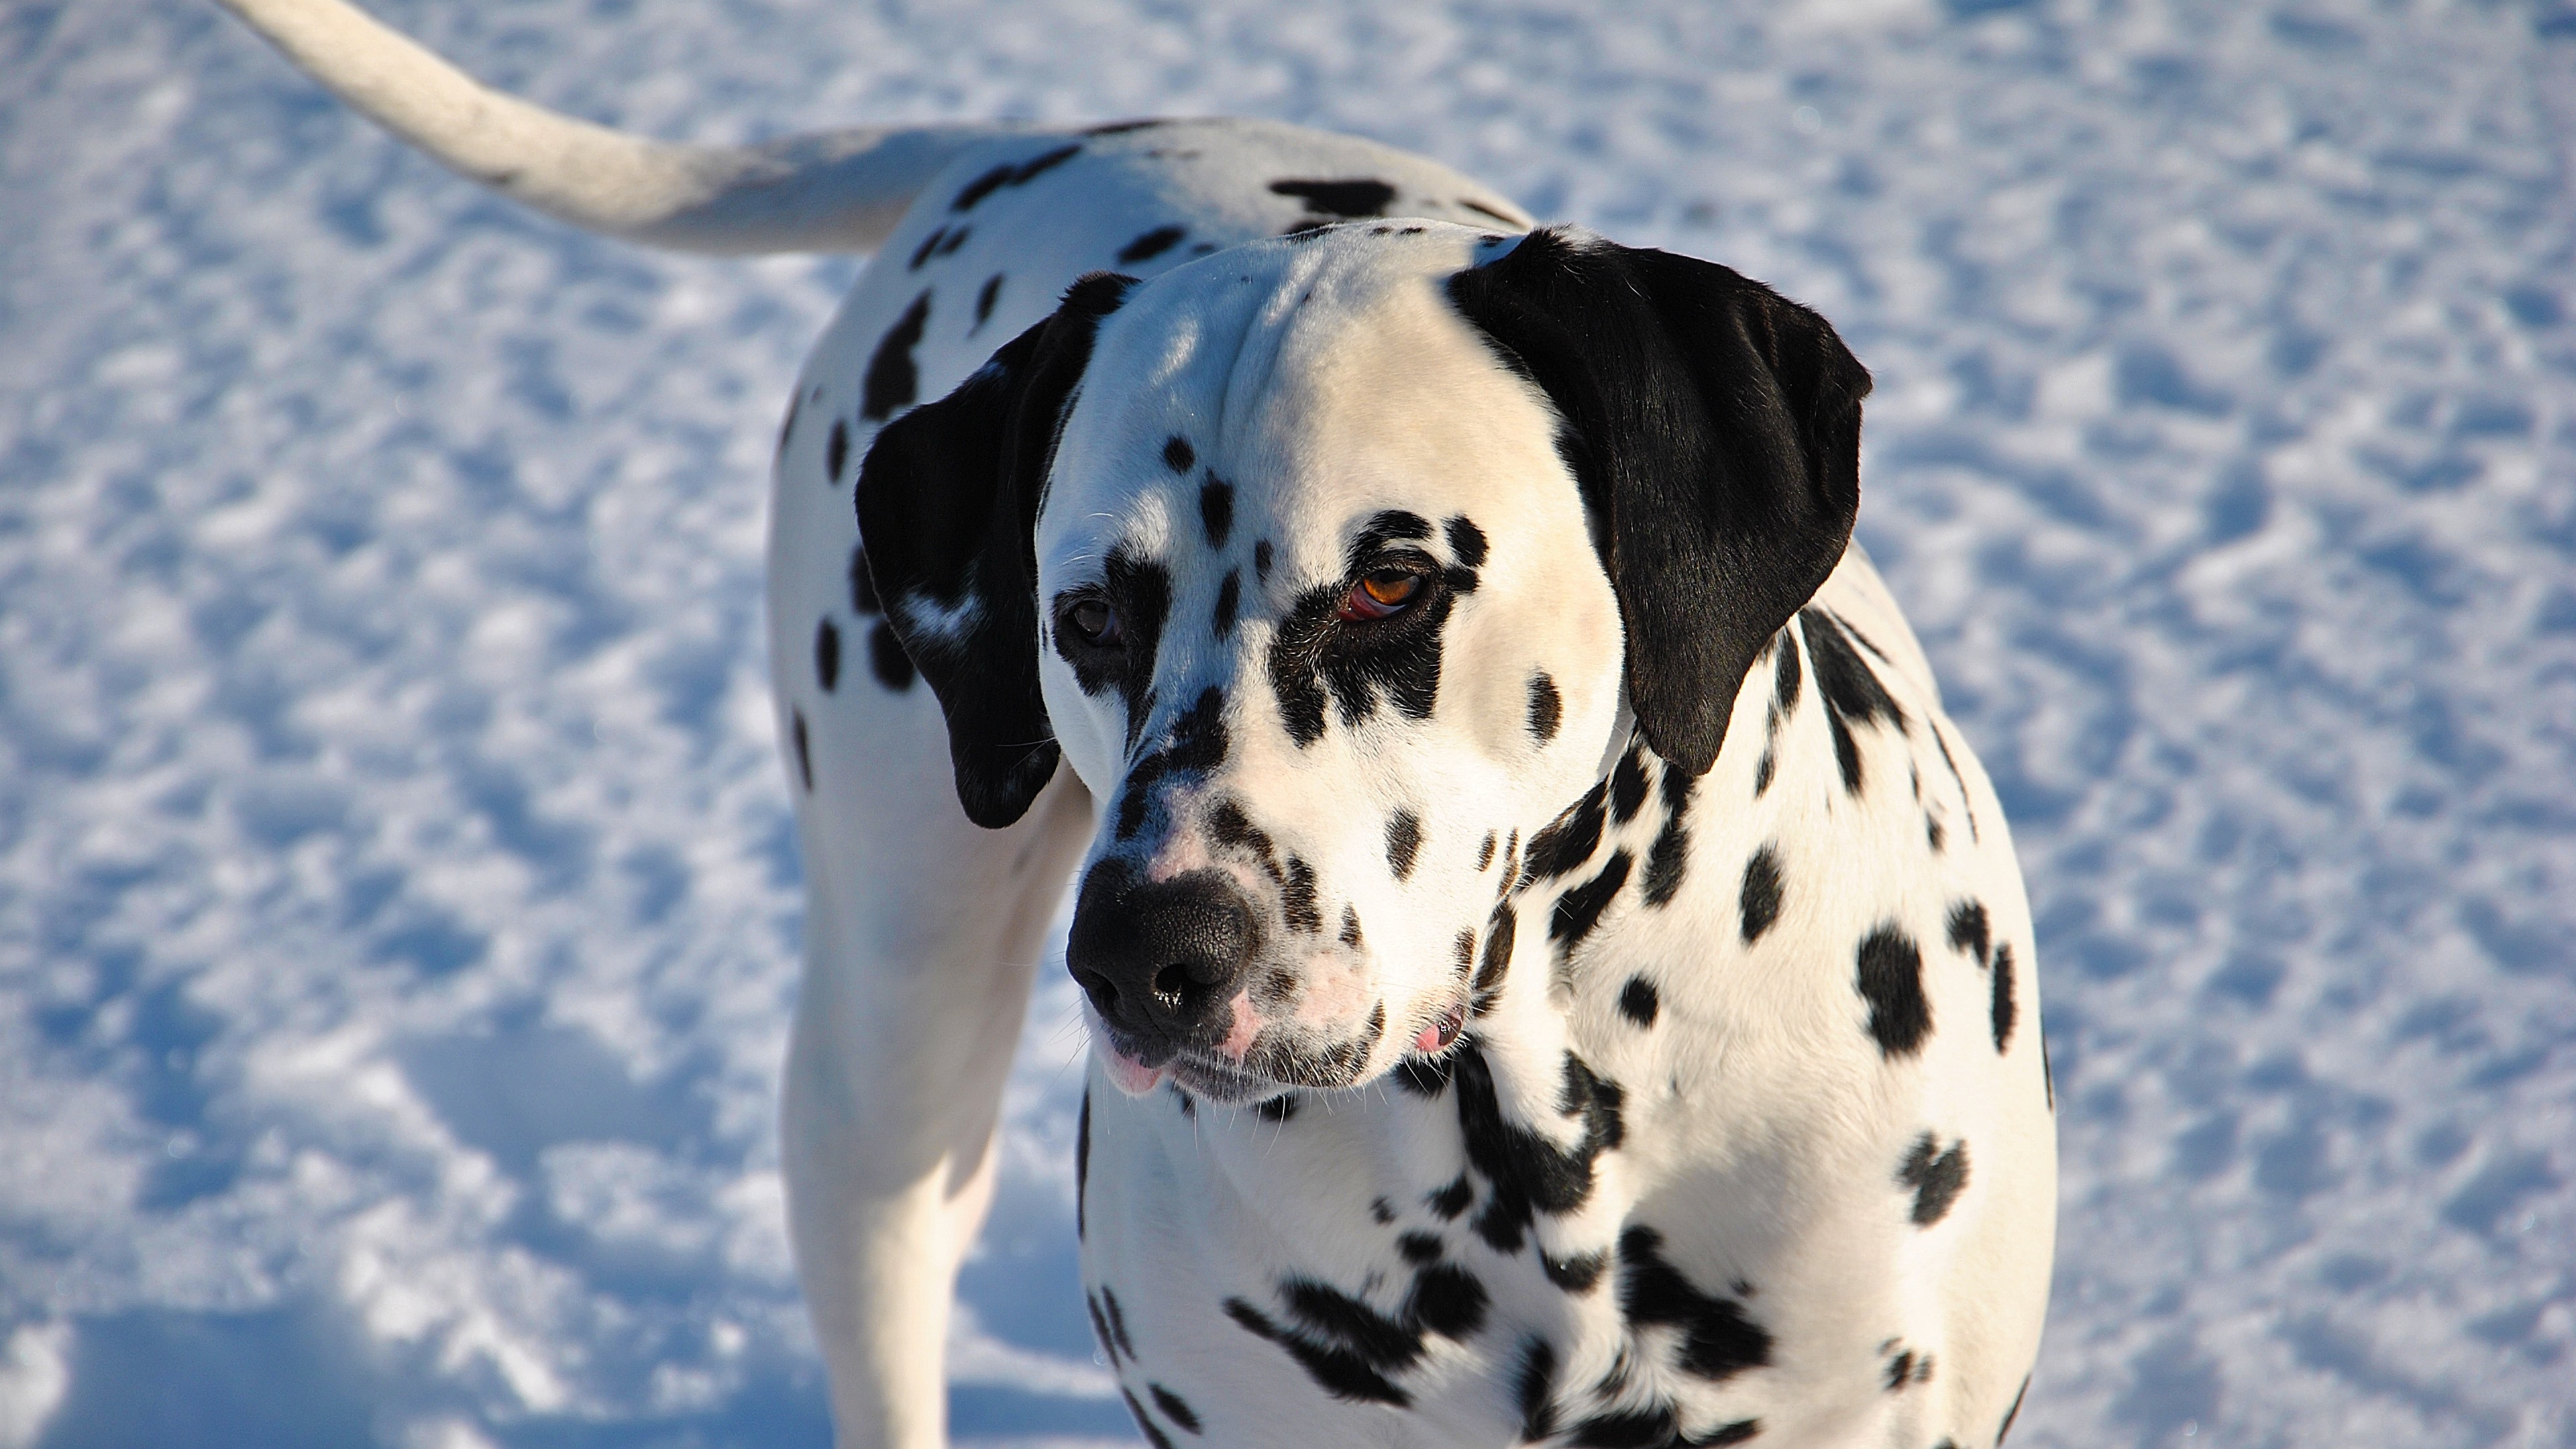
397,898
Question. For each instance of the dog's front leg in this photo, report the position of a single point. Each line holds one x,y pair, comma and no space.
920,943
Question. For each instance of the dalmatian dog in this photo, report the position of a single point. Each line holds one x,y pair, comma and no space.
1555,976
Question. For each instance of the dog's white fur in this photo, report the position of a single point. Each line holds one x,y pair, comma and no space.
1765,1146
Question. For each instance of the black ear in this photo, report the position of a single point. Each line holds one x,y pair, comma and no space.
948,504
1714,427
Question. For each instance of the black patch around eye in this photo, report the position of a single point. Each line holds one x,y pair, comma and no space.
836,452
1466,540
984,300
1579,910
1628,783
1152,244
1229,603
1759,902
1546,708
804,755
1261,561
1890,979
886,659
1358,197
1216,510
1178,455
1638,1001
1393,525
892,380
1718,1339
827,655
1403,842
1937,1177
1395,661
1143,591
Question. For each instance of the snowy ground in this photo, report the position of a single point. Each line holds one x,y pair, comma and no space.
396,896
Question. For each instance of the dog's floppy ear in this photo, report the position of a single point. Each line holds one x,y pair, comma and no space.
1714,427
948,504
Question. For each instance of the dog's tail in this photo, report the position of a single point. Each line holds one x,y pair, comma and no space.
829,191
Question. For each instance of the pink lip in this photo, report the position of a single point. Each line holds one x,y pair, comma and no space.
1439,1034
1127,1074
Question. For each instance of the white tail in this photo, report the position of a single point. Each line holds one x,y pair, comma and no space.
829,191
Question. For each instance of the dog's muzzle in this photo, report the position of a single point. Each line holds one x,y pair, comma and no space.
1162,960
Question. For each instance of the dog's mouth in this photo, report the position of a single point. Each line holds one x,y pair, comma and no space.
1263,1059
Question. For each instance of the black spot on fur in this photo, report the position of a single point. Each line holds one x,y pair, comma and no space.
929,245
892,380
1891,981
1500,937
1937,1177
1578,1274
1227,825
1462,953
1534,1389
1530,1174
2000,1008
1449,1301
1100,1326
1966,806
1418,1248
1759,901
1351,927
1569,840
1178,455
886,659
1297,898
1155,1438
1718,1340
1579,910
836,452
1392,525
1152,244
984,300
1638,1001
1466,540
1403,842
1281,1108
1117,1320
1337,1371
1216,510
1081,1163
1785,677
827,655
1852,693
1968,929
1545,707
804,756
1485,853
1671,853
1229,604
1655,1427
1339,198
1174,1407
1628,784
1381,1211
1261,562
1010,174
1453,1199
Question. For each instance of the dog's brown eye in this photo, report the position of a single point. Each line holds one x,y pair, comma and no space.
1380,594
1093,622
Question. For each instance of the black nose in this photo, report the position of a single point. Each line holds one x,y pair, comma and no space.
1161,959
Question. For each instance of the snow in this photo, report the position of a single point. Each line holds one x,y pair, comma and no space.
397,897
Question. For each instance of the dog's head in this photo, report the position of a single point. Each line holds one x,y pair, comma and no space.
1333,566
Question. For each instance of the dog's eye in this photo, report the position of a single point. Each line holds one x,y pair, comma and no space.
1094,623
1379,594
